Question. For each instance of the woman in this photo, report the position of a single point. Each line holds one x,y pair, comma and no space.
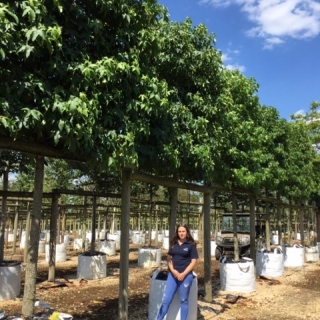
182,257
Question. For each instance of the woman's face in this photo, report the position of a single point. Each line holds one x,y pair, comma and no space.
182,233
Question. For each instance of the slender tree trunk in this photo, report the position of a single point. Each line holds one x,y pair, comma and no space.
93,226
31,268
3,217
53,237
173,212
267,219
253,228
124,252
279,220
206,247
15,229
235,232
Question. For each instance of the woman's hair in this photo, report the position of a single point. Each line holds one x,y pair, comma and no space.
176,235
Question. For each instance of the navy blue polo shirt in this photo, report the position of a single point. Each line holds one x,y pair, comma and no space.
182,255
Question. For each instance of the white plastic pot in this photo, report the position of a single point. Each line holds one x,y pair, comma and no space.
42,246
312,254
294,256
160,237
165,243
213,247
116,238
270,264
92,267
139,238
10,280
61,252
158,282
108,247
237,276
149,257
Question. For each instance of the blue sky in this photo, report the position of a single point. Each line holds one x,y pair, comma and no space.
277,42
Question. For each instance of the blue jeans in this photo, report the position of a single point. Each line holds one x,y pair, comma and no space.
172,286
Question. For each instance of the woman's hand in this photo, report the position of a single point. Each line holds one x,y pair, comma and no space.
181,276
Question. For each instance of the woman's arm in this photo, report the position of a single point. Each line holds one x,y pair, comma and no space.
171,268
189,268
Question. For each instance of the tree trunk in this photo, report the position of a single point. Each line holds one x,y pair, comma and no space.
53,237
253,228
235,233
3,214
31,268
206,247
93,226
267,220
124,252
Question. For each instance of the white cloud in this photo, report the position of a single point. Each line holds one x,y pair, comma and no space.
300,112
235,67
277,20
227,57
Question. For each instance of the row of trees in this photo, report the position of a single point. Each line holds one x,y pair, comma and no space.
115,83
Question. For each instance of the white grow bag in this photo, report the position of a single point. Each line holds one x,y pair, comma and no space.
294,256
270,264
10,280
165,243
160,237
213,247
237,276
139,238
312,254
61,252
158,282
108,247
115,237
78,242
42,246
92,267
149,257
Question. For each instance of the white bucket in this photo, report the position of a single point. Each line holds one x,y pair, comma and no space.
61,252
139,238
312,254
116,238
108,247
165,243
275,239
92,267
156,291
66,239
294,256
270,264
23,240
77,244
42,246
299,235
10,280
153,235
237,276
213,247
102,235
10,237
195,235
160,237
149,257
89,236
